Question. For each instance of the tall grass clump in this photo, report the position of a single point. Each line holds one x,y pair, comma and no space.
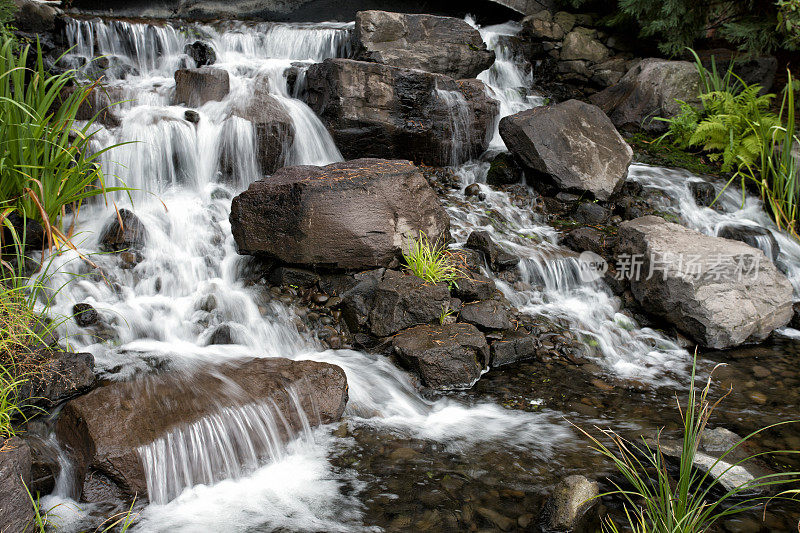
431,262
47,164
655,503
737,127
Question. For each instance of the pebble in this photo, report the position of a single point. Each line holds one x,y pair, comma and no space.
758,397
503,522
761,372
602,385
320,299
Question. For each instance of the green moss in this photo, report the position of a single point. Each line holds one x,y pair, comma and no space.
647,150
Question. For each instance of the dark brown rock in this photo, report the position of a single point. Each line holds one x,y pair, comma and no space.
197,86
355,215
124,231
487,315
16,508
445,357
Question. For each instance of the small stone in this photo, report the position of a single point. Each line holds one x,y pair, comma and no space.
192,116
503,522
85,315
758,397
602,385
761,372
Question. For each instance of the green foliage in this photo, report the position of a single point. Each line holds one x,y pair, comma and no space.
789,22
654,504
431,262
7,11
445,313
46,160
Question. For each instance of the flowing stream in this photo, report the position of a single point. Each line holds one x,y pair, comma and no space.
158,313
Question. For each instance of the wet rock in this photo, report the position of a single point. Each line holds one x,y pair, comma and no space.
572,504
755,236
579,45
375,110
124,231
591,213
293,277
703,192
513,347
355,215
442,45
498,258
586,239
502,522
402,301
59,376
45,466
357,302
222,334
34,17
197,86
650,89
85,315
445,357
16,509
471,287
274,127
504,170
572,144
192,116
29,233
202,53
540,29
472,190
729,293
103,430
97,103
486,315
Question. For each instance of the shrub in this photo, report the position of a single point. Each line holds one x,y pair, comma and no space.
686,506
431,262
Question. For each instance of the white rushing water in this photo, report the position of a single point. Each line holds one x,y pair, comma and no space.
161,311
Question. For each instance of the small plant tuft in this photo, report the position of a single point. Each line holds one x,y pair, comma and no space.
431,262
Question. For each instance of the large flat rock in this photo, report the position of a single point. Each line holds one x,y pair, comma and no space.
719,291
352,216
104,430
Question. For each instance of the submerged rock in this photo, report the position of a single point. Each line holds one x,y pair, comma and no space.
375,110
497,258
197,86
445,356
124,231
572,144
355,215
16,508
103,430
443,45
571,504
720,292
650,89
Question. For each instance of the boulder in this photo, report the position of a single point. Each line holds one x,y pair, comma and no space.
471,287
504,170
571,504
124,231
443,45
401,301
197,86
31,16
486,315
29,232
273,126
202,53
353,216
374,110
97,103
720,292
85,315
756,236
539,28
579,45
650,89
572,144
497,258
586,239
444,356
60,376
514,346
703,192
105,430
16,508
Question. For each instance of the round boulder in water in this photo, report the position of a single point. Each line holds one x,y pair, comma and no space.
123,232
356,215
202,53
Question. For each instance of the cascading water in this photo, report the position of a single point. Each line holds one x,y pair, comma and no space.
162,310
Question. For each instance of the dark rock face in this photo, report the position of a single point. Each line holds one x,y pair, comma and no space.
649,89
497,258
445,357
486,315
85,315
572,144
123,232
28,231
591,213
196,86
403,301
729,294
274,128
103,429
703,192
63,375
355,215
586,239
98,104
442,45
755,236
513,347
375,110
35,17
472,287
299,277
202,53
504,170
16,509
572,503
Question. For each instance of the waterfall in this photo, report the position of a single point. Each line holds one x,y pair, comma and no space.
461,131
